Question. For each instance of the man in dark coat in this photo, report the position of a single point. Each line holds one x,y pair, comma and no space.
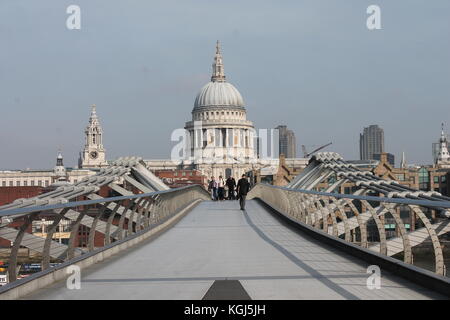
231,184
243,186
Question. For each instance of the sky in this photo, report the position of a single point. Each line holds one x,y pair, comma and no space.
312,65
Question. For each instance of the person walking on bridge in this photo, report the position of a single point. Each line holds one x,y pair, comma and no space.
231,184
212,187
221,188
243,186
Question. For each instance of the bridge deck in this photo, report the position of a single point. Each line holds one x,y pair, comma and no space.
217,241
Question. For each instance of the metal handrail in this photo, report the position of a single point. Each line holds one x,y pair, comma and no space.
337,215
12,212
113,219
423,203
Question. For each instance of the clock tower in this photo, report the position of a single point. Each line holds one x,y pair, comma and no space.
93,155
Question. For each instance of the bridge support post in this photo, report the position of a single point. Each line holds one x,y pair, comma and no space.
12,267
48,240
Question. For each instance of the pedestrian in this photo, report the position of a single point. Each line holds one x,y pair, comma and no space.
221,186
231,184
212,187
243,186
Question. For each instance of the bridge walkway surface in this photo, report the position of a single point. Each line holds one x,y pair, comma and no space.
259,256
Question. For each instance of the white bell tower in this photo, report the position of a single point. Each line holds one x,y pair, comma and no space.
93,155
59,170
443,159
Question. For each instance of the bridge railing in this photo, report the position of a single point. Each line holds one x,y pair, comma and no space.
390,226
40,237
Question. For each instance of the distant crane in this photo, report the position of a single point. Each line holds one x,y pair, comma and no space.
306,154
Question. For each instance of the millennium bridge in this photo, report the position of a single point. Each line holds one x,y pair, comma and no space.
146,241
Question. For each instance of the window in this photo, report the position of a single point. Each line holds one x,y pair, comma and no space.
184,173
10,183
246,138
3,183
46,183
443,179
18,183
424,179
224,137
400,177
39,183
205,138
332,179
25,183
436,179
175,173
32,183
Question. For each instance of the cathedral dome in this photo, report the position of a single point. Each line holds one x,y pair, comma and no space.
218,94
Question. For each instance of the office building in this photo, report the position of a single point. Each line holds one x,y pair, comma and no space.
371,142
287,142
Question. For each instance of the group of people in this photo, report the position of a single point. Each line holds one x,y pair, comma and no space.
229,189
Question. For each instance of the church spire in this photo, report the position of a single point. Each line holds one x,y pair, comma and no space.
93,154
59,159
443,155
443,138
403,161
59,170
218,74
